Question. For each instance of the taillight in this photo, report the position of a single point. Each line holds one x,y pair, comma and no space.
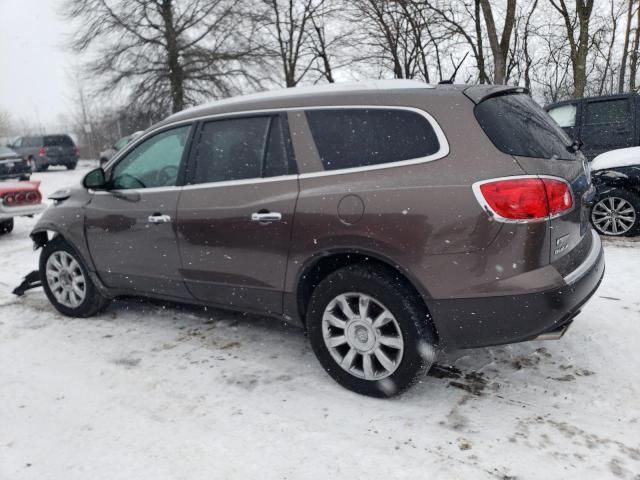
41,152
525,198
21,198
76,151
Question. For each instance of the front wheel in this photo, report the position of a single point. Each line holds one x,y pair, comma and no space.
370,331
67,283
617,213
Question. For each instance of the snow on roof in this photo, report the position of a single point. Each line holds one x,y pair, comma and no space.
622,157
316,89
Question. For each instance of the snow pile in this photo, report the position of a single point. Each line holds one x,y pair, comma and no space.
623,157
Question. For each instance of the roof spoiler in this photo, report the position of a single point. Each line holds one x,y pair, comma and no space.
480,93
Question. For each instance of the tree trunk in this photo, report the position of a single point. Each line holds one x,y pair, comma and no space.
579,46
633,67
499,48
176,72
482,72
625,48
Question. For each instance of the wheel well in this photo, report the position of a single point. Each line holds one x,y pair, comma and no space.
326,265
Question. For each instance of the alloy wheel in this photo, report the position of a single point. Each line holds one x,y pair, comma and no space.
66,279
613,216
362,336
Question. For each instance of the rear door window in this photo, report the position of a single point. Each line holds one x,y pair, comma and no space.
608,111
360,137
58,141
240,149
518,126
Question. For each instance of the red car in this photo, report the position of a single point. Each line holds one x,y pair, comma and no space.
18,199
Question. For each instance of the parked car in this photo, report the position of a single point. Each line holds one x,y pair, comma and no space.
390,219
600,123
18,199
616,175
12,165
46,150
109,152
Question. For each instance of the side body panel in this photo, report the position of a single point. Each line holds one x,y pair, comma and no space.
128,251
228,259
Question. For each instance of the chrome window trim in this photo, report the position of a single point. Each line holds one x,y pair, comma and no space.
485,206
442,152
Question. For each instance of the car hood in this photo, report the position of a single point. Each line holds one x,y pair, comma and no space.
4,156
623,157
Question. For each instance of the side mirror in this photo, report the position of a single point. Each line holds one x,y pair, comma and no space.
95,179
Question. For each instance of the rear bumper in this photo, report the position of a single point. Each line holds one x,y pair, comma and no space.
26,210
61,160
485,321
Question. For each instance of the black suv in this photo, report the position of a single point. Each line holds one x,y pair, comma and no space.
45,150
601,123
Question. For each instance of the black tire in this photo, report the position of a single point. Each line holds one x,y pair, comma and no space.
632,198
416,328
94,302
42,168
25,178
71,166
6,226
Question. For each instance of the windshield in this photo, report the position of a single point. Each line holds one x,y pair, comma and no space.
518,126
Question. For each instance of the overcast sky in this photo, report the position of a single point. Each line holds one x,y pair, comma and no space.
36,82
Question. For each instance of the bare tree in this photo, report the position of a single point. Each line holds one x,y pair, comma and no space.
499,48
633,67
164,53
6,125
625,48
290,25
460,21
578,40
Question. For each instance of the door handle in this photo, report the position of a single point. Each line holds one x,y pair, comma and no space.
266,217
159,218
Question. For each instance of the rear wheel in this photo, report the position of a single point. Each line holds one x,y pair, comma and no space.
617,213
67,283
6,226
71,166
370,331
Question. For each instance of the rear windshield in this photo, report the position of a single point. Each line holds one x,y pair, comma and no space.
518,126
58,141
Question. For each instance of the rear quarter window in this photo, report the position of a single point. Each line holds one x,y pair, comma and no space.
58,141
518,126
360,137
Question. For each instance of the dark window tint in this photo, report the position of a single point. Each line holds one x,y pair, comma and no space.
608,111
361,137
58,141
240,148
518,126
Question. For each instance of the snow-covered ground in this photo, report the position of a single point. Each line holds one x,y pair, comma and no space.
146,391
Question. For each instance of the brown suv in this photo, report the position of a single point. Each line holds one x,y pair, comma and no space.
390,219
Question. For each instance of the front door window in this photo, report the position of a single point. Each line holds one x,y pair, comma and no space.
153,163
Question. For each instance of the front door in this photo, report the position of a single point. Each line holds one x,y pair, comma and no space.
131,226
607,125
235,217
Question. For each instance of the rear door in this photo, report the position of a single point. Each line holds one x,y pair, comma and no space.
607,124
235,216
131,227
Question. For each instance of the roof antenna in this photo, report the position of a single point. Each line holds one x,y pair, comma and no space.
453,77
